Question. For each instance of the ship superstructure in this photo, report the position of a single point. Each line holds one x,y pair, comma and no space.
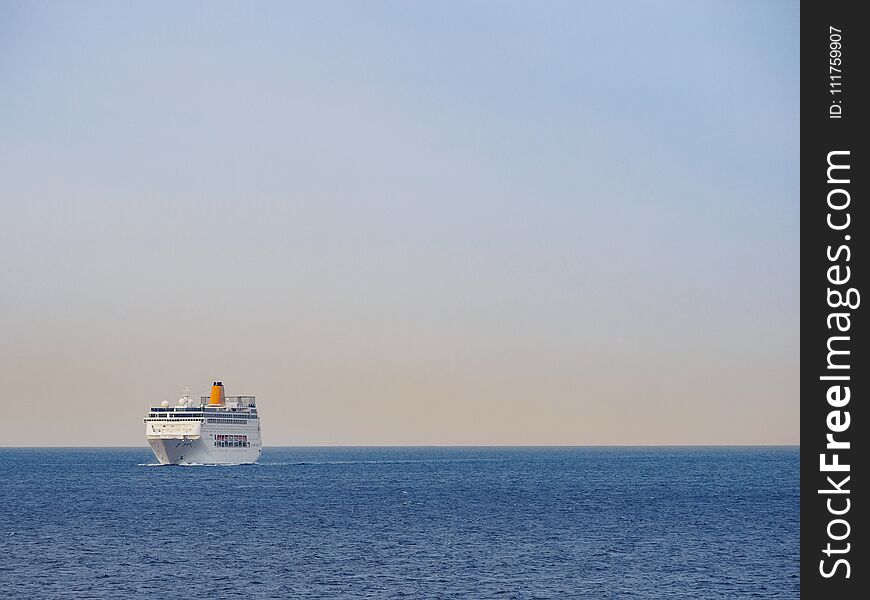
216,429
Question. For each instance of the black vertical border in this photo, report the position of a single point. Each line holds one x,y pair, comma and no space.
820,135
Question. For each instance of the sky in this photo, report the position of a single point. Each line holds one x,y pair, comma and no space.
428,223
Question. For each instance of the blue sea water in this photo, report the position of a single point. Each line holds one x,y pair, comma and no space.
403,523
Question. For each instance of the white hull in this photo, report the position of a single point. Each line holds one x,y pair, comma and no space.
200,452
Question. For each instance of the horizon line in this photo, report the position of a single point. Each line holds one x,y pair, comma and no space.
761,445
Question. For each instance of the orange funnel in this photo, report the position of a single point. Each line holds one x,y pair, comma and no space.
217,393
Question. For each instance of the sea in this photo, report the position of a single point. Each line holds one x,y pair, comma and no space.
579,522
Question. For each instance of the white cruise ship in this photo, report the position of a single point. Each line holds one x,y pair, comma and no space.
217,429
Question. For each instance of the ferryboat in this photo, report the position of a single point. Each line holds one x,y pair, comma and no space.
216,429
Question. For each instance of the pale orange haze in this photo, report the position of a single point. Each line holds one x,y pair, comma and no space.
422,224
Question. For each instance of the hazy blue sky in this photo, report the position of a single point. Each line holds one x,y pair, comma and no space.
402,223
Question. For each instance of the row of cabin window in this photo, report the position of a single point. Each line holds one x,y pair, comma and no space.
232,444
199,415
227,421
182,408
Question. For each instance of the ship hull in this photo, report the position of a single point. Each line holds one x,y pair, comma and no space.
199,452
